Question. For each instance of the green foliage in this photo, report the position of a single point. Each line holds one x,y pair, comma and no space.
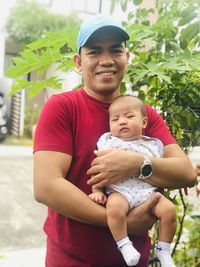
166,58
38,56
49,39
185,256
29,21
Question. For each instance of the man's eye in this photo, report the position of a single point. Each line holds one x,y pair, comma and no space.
117,51
93,52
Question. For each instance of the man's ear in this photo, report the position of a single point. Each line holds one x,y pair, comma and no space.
128,55
144,122
77,61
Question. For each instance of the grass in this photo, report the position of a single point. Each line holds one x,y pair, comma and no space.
17,141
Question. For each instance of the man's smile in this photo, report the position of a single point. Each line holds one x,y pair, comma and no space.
106,73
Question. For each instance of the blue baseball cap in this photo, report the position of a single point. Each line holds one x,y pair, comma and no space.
89,27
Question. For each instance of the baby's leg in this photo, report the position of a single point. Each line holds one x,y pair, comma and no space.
116,209
166,213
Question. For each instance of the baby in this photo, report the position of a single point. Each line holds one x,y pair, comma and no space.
127,119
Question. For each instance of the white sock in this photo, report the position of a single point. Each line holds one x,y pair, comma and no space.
130,254
163,252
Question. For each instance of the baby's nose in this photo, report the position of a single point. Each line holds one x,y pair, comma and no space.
122,121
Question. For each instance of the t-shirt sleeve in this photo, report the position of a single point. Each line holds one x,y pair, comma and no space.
54,127
157,128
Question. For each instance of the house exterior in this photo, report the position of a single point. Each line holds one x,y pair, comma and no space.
16,104
84,9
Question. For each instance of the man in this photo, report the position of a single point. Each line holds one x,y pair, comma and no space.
65,166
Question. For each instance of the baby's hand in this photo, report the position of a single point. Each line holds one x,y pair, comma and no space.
98,197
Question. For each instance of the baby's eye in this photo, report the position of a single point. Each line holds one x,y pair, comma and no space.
114,120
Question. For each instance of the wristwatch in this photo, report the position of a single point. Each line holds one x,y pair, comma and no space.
146,169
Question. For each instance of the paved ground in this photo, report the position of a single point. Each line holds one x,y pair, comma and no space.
21,217
22,241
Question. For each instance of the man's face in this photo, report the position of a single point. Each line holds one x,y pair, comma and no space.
103,63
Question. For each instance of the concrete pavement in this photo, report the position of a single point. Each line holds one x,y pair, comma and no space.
22,241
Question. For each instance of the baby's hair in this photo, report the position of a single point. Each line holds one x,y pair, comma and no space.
143,109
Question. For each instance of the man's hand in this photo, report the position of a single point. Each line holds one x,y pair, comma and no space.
113,166
140,219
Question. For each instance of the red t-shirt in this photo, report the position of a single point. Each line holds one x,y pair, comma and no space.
72,122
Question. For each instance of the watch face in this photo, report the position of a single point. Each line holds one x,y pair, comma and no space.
147,170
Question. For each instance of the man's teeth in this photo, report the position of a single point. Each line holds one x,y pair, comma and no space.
106,73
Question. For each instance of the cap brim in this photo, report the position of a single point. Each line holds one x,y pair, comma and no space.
123,35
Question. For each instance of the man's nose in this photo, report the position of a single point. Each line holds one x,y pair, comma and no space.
106,60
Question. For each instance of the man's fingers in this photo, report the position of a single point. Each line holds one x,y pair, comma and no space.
98,154
93,171
93,179
101,184
103,152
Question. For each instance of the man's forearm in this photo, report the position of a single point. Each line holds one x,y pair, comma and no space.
67,199
172,173
174,170
71,202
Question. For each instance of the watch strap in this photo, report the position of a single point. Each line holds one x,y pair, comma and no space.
146,169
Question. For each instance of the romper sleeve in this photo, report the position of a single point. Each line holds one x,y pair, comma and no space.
103,141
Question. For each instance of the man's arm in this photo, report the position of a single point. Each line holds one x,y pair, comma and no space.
174,170
52,190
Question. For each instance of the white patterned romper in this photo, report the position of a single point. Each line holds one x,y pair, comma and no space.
135,190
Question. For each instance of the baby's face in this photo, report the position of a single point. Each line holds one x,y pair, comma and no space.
126,119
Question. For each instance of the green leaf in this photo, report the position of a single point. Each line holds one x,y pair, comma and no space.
17,86
35,87
187,15
190,32
161,76
29,62
137,2
183,43
126,78
124,4
112,6
138,75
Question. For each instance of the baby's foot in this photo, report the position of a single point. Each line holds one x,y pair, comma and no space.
98,197
130,254
165,259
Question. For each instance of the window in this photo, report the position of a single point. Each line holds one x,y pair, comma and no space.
87,6
45,3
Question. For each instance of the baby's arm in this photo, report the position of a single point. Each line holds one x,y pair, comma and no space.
98,196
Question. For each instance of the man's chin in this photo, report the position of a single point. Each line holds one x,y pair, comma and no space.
108,90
